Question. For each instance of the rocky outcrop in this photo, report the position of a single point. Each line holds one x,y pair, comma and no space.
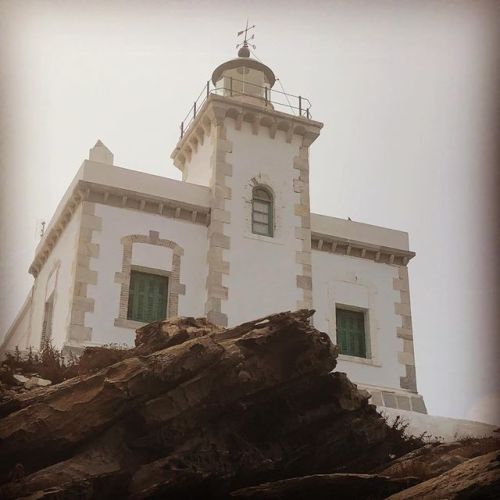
326,487
434,459
477,478
195,411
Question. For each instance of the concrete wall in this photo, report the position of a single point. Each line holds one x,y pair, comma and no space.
56,275
368,286
118,223
263,270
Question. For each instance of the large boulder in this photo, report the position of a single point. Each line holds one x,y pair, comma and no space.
194,411
476,478
434,459
327,487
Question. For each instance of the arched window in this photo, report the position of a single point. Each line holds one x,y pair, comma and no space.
262,211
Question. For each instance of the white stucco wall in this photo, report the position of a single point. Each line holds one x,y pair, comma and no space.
366,285
152,256
117,223
57,274
197,170
19,332
263,270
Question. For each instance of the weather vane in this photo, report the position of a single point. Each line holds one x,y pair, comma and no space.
246,38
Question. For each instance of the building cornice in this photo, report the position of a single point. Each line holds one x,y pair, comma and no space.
352,248
116,197
217,108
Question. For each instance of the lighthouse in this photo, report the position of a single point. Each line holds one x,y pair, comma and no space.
249,143
233,241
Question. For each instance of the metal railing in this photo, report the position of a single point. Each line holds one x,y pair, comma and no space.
265,96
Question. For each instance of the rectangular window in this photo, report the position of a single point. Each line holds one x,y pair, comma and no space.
351,337
147,301
262,212
47,322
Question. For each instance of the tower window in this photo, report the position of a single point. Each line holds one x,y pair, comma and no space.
147,297
351,336
47,321
262,211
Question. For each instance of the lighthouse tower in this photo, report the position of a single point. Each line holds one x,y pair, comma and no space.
249,143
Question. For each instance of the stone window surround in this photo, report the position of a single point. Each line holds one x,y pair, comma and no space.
175,287
370,324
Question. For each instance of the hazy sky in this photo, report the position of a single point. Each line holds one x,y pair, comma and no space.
406,90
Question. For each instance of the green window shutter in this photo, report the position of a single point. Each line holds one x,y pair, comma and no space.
351,337
147,297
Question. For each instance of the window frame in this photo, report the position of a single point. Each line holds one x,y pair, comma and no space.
156,273
122,278
268,200
366,333
48,321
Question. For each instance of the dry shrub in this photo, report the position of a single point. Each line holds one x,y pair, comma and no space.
48,364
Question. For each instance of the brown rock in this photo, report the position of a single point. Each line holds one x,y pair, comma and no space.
194,411
149,338
477,478
434,459
327,487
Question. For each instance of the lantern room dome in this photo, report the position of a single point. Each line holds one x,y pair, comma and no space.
244,65
244,79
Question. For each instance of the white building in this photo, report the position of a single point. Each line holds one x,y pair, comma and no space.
233,241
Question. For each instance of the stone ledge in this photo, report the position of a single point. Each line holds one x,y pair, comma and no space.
128,323
357,359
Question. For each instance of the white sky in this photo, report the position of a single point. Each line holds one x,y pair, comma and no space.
406,92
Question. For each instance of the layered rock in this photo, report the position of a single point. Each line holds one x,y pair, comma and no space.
476,478
194,411
326,487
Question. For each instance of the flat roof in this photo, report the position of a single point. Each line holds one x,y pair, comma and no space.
140,182
134,181
359,232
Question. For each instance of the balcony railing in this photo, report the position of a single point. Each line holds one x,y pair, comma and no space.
250,92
